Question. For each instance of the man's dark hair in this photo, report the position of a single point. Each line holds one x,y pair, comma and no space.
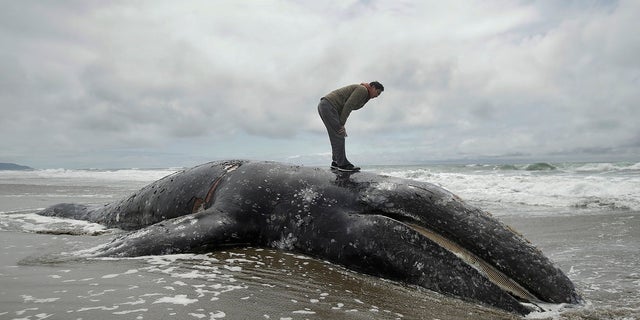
377,85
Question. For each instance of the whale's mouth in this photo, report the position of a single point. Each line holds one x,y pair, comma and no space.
489,271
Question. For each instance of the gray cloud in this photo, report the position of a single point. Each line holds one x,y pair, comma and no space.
138,82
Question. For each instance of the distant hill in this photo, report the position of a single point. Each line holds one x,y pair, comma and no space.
13,166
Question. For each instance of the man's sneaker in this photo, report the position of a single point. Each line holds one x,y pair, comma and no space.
334,165
348,168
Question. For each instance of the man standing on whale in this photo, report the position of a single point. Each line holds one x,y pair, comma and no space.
334,109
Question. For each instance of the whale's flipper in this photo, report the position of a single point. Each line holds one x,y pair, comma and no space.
199,231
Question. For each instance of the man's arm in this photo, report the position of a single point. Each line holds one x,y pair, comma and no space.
356,100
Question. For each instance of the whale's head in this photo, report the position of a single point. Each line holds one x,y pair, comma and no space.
494,249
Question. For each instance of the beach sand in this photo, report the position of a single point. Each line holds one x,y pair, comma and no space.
244,283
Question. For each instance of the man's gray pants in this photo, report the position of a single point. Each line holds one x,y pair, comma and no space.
331,120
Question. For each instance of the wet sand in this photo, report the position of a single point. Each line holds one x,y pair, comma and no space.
243,283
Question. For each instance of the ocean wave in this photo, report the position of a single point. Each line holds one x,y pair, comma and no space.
28,221
565,167
141,175
598,203
540,166
558,189
608,167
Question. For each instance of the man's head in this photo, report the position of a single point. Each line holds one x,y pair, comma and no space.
377,89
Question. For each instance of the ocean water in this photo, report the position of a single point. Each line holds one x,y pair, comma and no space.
584,216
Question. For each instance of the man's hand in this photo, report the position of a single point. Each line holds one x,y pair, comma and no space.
342,131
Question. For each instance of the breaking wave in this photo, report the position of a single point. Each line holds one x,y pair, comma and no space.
614,186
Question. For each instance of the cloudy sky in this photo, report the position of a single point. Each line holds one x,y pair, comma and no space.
111,84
